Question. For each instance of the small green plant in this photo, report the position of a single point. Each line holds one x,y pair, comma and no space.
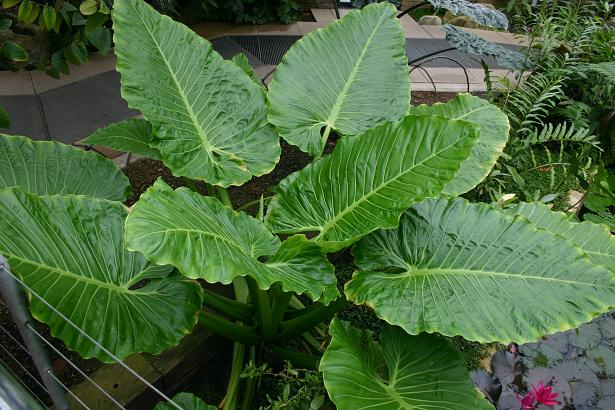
428,263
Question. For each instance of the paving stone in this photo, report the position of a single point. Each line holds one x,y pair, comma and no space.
212,30
306,27
323,15
434,31
24,115
18,83
412,29
76,110
278,29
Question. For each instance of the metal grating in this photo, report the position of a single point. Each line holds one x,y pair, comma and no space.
268,49
271,49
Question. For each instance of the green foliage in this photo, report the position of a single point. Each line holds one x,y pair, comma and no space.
133,135
447,282
50,168
395,372
70,250
186,401
220,136
69,29
250,11
374,49
4,118
427,262
288,388
531,102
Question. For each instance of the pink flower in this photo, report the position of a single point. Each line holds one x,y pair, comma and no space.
542,394
527,402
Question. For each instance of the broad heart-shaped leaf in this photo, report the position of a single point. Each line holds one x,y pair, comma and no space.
209,117
48,168
205,239
69,249
134,135
593,239
481,14
466,269
371,179
186,401
473,44
493,125
398,372
348,77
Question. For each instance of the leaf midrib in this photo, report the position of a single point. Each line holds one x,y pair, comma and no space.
62,272
335,110
469,272
180,90
333,221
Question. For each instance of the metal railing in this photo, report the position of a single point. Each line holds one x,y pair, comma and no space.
35,345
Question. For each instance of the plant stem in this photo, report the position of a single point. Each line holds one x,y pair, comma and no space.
229,307
233,386
279,306
250,384
262,309
236,332
323,142
223,195
305,361
211,190
190,183
295,327
254,202
232,390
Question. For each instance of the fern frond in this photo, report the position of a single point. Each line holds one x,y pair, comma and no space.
562,132
532,101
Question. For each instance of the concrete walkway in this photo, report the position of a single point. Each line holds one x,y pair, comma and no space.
72,107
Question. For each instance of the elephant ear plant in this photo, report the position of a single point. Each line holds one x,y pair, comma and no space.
428,262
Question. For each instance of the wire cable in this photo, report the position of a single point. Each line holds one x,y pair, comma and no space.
101,347
24,369
6,332
74,366
73,395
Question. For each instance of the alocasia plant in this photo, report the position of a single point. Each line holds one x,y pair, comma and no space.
428,262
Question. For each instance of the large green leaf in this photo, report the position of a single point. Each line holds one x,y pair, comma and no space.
348,77
186,401
70,251
473,44
205,239
466,269
398,372
209,117
370,179
494,127
134,135
48,168
593,239
477,12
